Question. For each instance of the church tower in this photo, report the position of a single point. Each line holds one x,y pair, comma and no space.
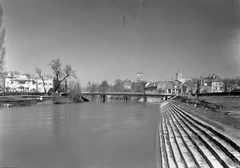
139,76
178,76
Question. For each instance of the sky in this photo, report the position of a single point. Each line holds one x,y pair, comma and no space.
115,39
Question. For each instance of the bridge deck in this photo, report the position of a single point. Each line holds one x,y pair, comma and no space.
126,94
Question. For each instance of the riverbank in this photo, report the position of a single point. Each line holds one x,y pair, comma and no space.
15,101
18,101
221,112
152,100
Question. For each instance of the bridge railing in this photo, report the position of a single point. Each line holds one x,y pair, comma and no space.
125,93
113,93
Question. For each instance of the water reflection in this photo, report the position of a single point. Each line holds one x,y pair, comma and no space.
94,134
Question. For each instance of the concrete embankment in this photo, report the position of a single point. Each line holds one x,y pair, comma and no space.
151,100
186,140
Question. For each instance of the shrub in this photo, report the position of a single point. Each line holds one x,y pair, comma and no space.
57,99
76,97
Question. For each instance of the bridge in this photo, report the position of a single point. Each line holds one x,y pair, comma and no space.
128,94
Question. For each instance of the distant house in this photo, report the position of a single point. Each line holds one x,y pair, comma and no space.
211,84
22,83
170,87
190,86
26,83
48,83
151,88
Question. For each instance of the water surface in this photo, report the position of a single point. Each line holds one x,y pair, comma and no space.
86,135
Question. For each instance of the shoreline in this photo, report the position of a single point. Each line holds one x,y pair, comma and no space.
16,102
19,101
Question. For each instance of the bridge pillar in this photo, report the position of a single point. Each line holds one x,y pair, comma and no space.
125,98
166,97
103,98
145,99
92,97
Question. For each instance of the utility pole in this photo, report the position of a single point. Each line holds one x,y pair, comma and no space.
198,88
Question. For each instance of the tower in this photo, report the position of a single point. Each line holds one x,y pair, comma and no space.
139,76
178,76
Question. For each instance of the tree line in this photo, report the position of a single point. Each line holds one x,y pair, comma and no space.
2,40
118,86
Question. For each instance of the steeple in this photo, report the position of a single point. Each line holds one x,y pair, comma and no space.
139,76
178,75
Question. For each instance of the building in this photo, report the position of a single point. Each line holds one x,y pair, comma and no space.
170,87
151,88
190,86
180,78
139,76
47,83
27,83
211,84
139,84
17,83
164,87
22,83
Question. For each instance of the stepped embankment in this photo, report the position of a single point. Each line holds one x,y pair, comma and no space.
194,135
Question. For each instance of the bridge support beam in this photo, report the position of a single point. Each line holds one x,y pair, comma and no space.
125,98
165,97
103,98
145,99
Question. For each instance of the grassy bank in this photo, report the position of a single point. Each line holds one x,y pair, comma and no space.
14,101
17,101
69,98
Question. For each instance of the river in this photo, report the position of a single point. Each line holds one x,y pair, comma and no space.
85,135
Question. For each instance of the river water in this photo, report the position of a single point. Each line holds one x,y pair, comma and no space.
85,135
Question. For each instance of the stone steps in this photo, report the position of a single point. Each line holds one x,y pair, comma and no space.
185,141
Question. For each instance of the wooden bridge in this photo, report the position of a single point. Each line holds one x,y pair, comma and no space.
142,94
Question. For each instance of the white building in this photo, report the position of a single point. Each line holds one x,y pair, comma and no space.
48,82
27,83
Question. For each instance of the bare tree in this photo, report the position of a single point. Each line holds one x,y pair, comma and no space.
40,75
61,74
2,37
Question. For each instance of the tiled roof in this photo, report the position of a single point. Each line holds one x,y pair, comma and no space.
149,85
22,78
213,79
217,79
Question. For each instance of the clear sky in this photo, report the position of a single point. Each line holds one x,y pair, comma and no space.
114,39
